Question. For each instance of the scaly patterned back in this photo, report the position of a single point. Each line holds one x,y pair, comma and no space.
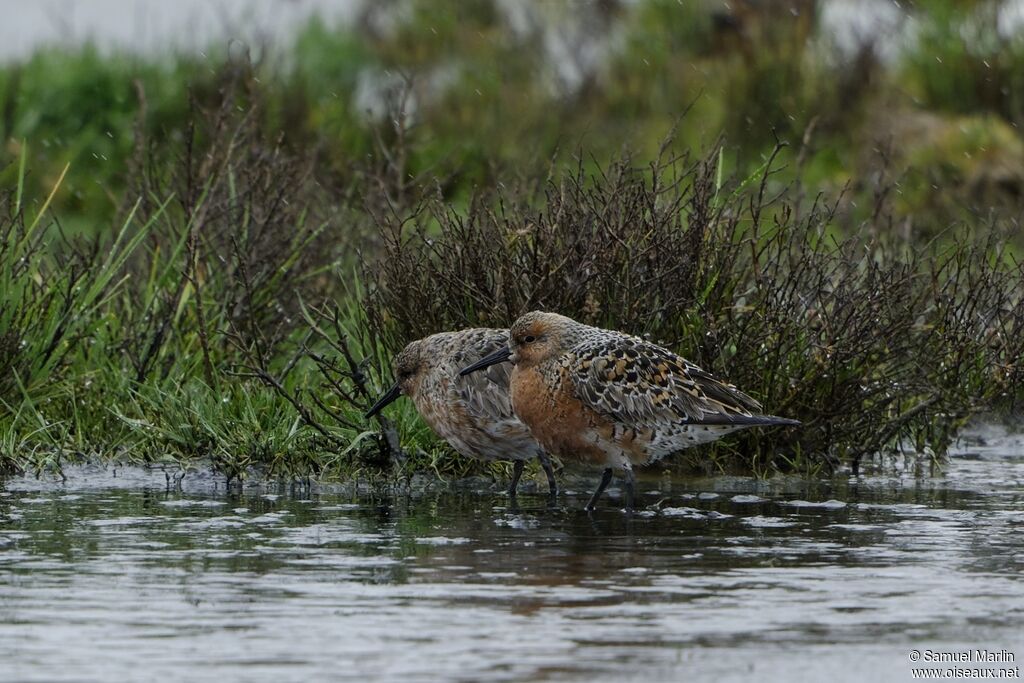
629,379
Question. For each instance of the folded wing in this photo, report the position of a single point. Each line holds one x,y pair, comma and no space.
635,382
485,392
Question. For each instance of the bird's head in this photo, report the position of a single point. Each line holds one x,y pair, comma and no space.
408,365
533,338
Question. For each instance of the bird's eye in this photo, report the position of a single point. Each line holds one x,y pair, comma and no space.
529,339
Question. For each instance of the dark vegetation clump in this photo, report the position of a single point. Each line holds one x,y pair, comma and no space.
249,228
874,344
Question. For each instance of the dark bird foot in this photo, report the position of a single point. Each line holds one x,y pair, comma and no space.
606,477
517,472
630,478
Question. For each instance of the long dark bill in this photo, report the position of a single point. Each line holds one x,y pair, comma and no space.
394,392
499,356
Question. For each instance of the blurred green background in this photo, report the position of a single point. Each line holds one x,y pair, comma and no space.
927,94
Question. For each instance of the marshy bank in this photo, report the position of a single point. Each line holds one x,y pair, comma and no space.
211,261
227,322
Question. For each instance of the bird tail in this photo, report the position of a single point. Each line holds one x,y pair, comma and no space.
748,421
776,421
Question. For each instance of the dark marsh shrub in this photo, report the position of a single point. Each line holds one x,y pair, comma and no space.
248,224
872,343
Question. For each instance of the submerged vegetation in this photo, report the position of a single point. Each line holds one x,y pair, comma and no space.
215,265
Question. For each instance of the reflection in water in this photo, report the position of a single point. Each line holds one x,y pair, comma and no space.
719,578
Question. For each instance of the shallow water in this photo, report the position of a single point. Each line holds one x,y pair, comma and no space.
115,578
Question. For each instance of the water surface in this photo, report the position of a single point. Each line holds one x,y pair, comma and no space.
110,577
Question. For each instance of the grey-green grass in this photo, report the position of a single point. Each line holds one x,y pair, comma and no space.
484,101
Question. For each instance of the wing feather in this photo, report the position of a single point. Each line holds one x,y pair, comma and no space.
486,392
635,382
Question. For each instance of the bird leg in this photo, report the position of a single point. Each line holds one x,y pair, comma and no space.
517,471
606,477
545,463
630,479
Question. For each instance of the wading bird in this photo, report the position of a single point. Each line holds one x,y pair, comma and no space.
606,398
473,414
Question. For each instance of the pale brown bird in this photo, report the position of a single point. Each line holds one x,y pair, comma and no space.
606,398
473,414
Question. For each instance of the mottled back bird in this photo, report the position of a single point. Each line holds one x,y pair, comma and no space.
473,414
607,398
